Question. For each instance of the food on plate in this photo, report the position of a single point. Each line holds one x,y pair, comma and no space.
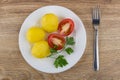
35,34
66,27
49,22
60,60
56,41
70,41
40,49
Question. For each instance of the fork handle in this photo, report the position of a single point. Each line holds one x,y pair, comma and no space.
96,51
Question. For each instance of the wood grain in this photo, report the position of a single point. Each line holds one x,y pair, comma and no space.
12,64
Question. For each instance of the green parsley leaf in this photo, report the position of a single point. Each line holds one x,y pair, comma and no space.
69,50
52,51
70,41
60,61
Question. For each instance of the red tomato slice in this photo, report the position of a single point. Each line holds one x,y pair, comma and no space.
66,27
56,40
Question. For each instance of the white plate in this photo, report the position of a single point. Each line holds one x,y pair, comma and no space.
46,64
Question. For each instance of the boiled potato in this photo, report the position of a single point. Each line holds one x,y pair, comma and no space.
40,49
35,34
49,22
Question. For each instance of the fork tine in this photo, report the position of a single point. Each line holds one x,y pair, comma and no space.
97,12
93,13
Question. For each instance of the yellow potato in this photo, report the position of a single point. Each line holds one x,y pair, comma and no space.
40,49
49,22
35,34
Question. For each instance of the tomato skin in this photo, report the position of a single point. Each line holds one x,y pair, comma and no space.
63,22
57,36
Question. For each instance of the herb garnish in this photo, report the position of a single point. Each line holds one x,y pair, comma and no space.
60,61
70,41
69,50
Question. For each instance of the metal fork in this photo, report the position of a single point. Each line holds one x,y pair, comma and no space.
96,22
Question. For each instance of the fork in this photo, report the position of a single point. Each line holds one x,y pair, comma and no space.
96,22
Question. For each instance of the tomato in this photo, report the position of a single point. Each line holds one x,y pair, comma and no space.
56,41
66,27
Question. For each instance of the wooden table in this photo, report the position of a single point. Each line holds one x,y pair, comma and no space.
12,64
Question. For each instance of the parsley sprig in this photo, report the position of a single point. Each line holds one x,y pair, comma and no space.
53,52
60,61
70,41
69,50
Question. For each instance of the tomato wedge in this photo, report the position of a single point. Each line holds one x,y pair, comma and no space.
66,27
56,41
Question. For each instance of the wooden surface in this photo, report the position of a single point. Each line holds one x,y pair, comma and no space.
12,64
